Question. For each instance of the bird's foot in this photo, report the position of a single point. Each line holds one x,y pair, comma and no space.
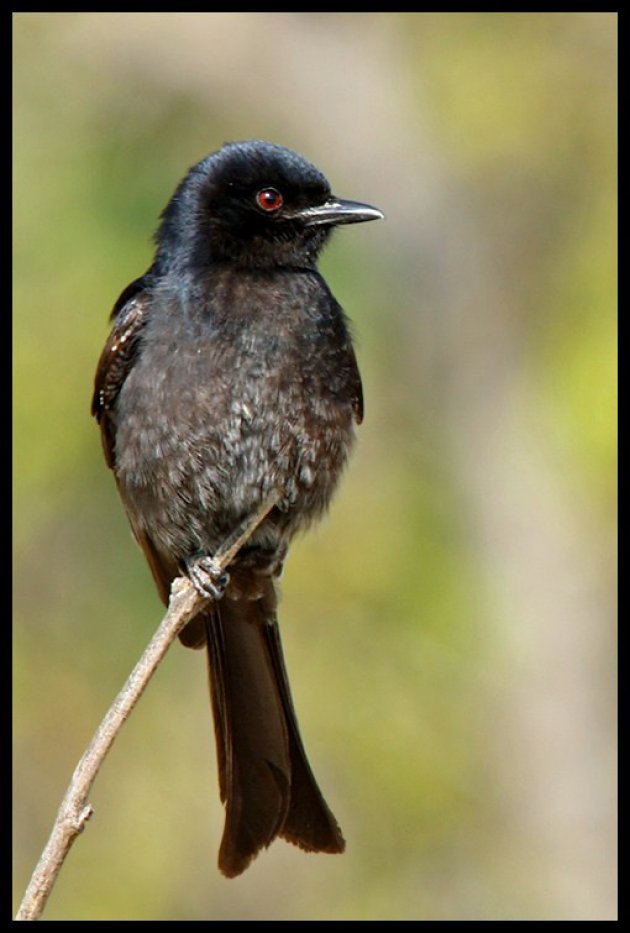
207,576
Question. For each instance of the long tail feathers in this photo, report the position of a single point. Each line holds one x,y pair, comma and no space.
265,779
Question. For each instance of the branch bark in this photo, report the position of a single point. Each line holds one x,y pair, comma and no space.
184,604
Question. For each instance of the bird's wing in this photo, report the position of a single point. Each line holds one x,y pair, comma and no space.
130,314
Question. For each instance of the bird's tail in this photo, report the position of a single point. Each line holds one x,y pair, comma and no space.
265,779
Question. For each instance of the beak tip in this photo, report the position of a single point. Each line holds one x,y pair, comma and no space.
356,212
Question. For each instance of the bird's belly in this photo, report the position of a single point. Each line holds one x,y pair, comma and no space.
191,478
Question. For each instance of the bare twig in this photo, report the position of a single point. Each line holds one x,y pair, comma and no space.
184,604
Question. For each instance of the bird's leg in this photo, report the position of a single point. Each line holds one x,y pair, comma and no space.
207,576
206,572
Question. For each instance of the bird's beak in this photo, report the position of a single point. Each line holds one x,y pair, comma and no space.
335,211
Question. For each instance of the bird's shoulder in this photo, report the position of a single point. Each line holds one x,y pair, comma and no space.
130,315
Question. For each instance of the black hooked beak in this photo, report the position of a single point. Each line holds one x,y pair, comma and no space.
336,211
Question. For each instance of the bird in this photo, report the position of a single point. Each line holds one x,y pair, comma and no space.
229,376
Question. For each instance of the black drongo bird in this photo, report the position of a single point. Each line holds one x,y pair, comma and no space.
229,374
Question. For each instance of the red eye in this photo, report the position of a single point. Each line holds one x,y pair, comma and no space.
269,199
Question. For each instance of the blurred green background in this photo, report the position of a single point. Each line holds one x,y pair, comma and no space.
450,628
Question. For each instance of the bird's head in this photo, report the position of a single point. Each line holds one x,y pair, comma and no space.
254,204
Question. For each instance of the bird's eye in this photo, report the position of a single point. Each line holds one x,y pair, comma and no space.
269,200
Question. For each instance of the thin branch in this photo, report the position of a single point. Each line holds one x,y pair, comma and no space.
184,604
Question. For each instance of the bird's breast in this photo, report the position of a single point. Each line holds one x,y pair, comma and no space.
212,419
